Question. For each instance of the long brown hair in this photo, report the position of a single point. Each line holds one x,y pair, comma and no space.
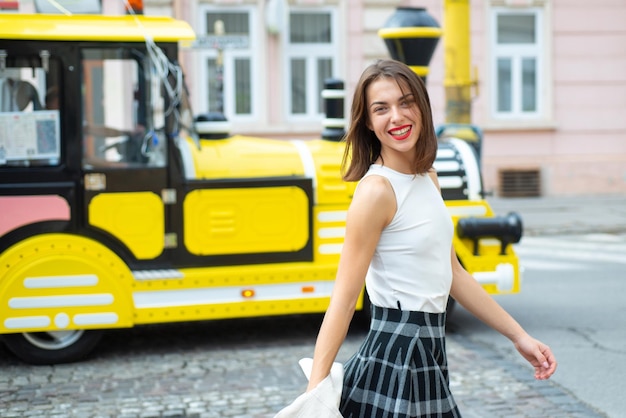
362,145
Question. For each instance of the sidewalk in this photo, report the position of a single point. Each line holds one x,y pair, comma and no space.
566,215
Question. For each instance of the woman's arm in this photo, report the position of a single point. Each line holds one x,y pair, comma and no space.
372,208
471,295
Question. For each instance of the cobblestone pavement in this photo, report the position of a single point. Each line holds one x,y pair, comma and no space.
244,368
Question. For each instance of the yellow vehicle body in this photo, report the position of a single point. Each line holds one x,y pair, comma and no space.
187,229
99,28
217,222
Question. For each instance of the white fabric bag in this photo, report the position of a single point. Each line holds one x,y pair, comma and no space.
322,401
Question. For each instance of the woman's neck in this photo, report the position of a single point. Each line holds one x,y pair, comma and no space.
400,163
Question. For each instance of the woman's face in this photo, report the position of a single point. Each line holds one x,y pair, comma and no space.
394,117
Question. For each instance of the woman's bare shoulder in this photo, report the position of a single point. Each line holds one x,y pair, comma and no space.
375,186
374,198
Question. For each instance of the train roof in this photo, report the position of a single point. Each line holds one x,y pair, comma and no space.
115,28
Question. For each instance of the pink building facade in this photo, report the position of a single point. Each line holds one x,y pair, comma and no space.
550,91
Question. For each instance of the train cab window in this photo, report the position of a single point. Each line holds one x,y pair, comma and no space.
123,110
30,133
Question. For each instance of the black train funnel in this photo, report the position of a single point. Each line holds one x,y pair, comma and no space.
411,36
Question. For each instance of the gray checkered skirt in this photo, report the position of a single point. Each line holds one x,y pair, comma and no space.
400,370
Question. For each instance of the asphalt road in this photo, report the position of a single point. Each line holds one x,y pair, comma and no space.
572,298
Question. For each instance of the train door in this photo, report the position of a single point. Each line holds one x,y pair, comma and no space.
124,149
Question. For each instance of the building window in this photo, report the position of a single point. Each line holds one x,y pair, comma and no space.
214,100
228,44
517,60
243,86
312,58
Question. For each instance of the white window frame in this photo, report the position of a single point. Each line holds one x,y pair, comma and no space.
229,56
517,52
311,53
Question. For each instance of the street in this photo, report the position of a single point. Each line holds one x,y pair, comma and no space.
572,299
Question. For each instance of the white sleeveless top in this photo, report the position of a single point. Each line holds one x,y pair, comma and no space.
411,265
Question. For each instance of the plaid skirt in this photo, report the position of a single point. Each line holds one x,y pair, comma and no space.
400,370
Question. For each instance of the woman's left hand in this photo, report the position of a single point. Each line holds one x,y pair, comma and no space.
538,354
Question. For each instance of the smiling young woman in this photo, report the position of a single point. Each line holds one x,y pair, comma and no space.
398,242
396,121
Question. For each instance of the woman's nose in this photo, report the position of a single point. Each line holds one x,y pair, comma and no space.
396,114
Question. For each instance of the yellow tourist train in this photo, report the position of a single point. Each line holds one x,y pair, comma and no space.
118,208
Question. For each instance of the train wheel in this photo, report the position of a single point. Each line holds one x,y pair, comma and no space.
52,347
